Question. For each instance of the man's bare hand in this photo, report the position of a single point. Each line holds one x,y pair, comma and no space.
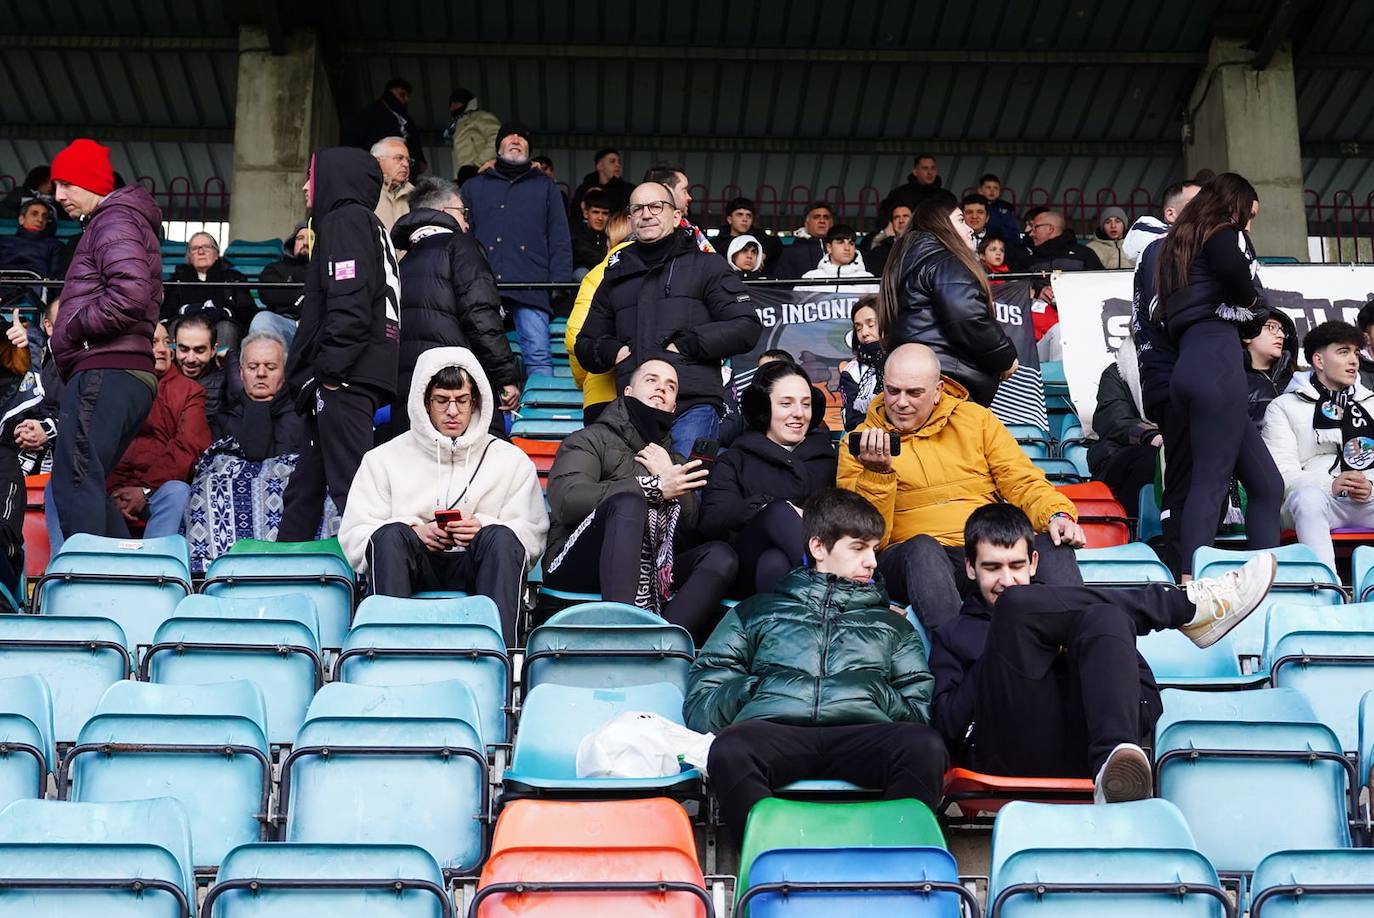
875,450
1063,531
681,479
464,530
510,397
656,459
1354,484
433,536
29,434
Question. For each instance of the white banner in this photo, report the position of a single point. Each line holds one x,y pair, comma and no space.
1095,313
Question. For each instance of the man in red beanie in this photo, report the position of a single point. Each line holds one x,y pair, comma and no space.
102,341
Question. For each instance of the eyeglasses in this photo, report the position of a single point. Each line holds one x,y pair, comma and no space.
1275,329
1036,226
653,207
465,211
201,249
459,403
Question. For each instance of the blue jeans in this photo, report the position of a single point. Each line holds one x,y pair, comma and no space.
270,322
697,422
532,328
166,508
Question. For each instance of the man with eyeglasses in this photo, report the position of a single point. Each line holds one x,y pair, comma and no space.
1055,247
447,506
394,160
448,297
1270,359
196,291
662,298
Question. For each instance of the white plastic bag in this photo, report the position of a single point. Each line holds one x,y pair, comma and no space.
640,745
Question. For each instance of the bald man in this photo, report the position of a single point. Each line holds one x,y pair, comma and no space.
1055,247
955,457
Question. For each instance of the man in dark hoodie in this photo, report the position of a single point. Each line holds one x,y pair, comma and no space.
923,181
389,116
283,304
607,177
342,365
103,338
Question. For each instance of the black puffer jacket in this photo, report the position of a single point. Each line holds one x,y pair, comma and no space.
1155,350
205,298
1265,386
754,472
290,270
942,307
1222,285
448,297
1063,253
685,297
247,421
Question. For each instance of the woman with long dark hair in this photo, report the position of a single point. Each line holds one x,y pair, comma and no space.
934,292
1209,295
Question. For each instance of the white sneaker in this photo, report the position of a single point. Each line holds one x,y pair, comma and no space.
1124,776
1223,602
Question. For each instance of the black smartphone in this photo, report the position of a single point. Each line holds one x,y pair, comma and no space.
705,450
894,438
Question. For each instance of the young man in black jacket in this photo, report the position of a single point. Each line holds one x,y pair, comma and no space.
342,364
1041,680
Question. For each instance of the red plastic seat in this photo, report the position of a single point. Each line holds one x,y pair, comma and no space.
37,551
541,842
975,792
1101,515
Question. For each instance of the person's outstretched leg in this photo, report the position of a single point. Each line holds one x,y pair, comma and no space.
749,759
768,546
702,577
904,760
497,559
603,554
398,563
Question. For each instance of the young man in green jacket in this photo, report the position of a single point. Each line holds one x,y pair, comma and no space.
820,679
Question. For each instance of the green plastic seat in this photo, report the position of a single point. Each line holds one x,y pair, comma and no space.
777,823
264,547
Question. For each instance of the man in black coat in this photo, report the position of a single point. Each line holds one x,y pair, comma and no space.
664,299
448,297
258,413
607,177
342,365
283,304
389,116
1054,247
923,181
806,251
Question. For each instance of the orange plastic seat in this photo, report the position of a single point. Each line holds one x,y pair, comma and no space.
560,851
1086,490
975,792
37,551
1103,519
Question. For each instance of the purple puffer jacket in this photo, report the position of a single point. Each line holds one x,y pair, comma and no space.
113,289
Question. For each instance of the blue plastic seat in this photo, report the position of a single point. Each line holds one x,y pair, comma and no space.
133,859
322,575
1150,526
285,880
1362,572
136,583
26,735
171,740
1328,656
457,610
598,612
391,765
1365,758
1310,884
1253,773
554,720
1086,854
607,655
1062,471
79,657
562,397
205,642
1122,565
806,872
544,429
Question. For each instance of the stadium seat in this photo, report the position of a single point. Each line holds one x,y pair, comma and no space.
1313,884
549,857
282,880
1034,441
611,655
562,398
116,860
1150,526
544,428
204,745
542,413
598,612
1327,655
1365,758
79,657
136,583
555,718
824,882
975,792
424,610
1253,773
566,598
318,569
37,551
26,738
1128,565
1101,515
1362,572
1059,471
382,765
1127,860
272,642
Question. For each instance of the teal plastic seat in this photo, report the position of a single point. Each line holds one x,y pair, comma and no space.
1327,655
26,734
205,641
1126,565
545,429
458,610
395,765
133,857
1366,740
78,657
1362,572
1089,853
1313,884
561,398
553,722
1060,471
315,569
136,583
567,596
182,733
607,655
285,880
597,612
1253,773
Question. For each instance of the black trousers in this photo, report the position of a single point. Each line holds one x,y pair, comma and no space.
14,501
338,432
768,546
604,559
102,411
1215,439
751,759
1059,682
1127,471
493,565
1178,473
932,579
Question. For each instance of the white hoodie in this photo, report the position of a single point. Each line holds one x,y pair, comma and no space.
1303,458
828,269
406,479
1143,231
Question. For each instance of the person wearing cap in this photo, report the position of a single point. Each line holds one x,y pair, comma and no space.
102,341
518,216
607,177
470,133
1109,240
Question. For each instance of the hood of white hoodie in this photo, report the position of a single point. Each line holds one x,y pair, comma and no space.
740,242
422,428
1142,232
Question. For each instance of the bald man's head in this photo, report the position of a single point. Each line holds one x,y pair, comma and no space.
1047,226
911,386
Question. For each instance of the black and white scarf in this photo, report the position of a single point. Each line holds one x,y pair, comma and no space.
1338,418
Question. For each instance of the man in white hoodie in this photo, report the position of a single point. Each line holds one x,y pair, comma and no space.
447,461
1321,435
841,259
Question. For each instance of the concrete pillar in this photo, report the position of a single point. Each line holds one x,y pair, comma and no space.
1246,121
284,110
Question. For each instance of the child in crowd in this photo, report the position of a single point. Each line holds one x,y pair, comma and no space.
992,251
863,376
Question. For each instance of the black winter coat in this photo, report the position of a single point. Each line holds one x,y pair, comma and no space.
448,297
283,301
206,298
754,472
1156,352
942,307
1063,253
1222,285
908,194
1265,386
350,328
796,259
588,246
690,299
1116,420
242,418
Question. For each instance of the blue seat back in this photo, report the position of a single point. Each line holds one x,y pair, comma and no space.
831,865
282,607
1101,869
1134,562
323,576
77,673
608,656
25,719
1362,572
1366,737
604,613
1328,656
461,610
1312,870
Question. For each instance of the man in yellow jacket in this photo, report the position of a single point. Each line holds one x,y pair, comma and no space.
955,457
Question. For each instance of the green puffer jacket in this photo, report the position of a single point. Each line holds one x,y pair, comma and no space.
821,651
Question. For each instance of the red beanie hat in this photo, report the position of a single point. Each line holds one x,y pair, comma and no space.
85,164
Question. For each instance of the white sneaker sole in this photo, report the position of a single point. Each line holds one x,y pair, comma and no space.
1125,776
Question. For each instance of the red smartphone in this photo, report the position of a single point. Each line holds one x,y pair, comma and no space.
444,517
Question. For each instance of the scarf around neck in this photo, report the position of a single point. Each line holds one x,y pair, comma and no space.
1338,418
651,424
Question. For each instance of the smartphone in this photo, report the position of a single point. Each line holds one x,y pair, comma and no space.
705,450
444,517
894,438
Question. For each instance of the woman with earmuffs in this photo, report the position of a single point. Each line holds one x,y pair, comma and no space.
754,495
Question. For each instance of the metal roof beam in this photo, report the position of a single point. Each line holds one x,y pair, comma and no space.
122,133
116,43
904,146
